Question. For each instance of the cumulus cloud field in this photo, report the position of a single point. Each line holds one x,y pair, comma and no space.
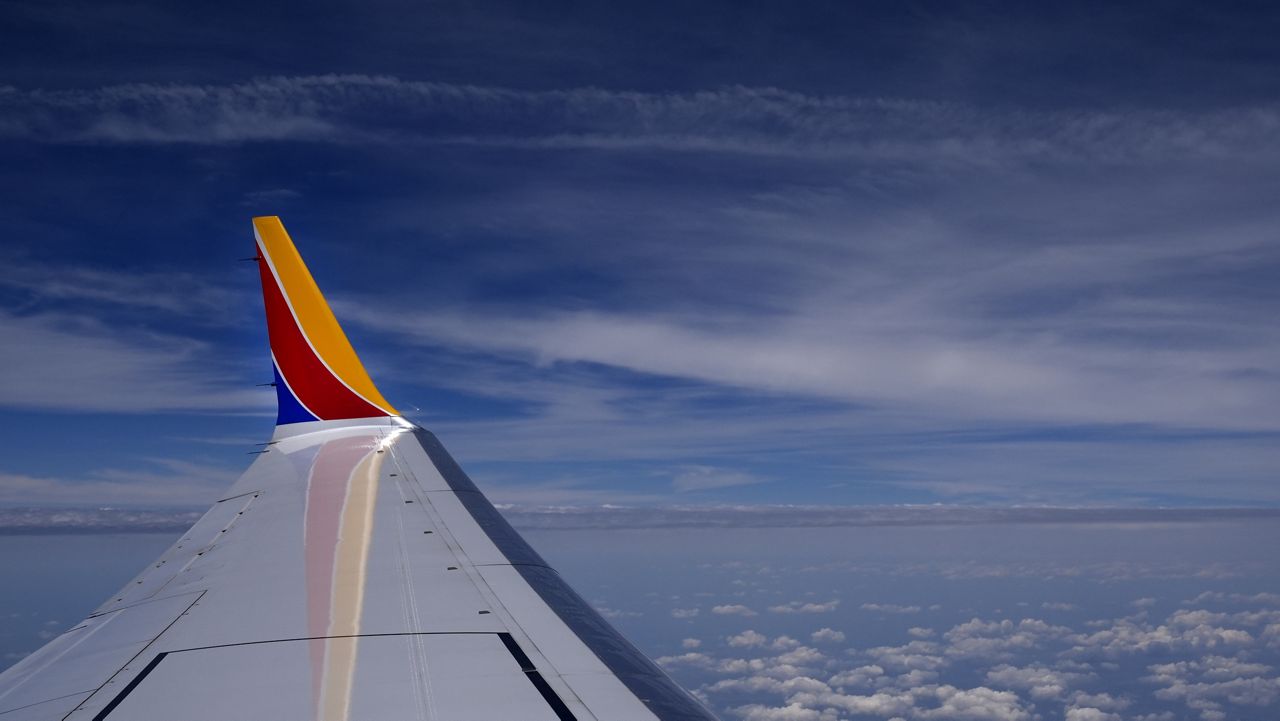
1031,622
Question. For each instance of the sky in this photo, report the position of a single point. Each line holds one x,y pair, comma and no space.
915,342
657,253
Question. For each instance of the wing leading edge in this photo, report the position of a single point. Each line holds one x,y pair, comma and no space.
353,573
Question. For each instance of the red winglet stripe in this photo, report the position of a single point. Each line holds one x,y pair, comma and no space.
312,383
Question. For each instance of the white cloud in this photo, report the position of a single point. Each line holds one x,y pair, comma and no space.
705,478
1185,630
927,703
922,655
744,665
1193,618
908,681
960,341
793,712
1271,599
684,612
890,608
801,656
56,361
1103,701
791,684
976,704
1040,682
783,643
732,609
800,354
955,346
827,635
1210,684
1090,714
884,703
693,658
169,293
690,643
748,639
617,613
551,513
858,677
999,639
760,121
166,481
805,607
903,681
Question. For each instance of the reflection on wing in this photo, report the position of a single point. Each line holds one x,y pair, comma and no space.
353,573
341,490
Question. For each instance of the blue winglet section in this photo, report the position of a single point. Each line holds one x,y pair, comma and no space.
291,410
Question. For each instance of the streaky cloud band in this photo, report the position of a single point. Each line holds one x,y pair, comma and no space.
35,521
768,121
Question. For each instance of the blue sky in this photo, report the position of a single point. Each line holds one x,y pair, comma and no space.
668,256
657,253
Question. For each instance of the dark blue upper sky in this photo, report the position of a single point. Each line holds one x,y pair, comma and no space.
657,252
1071,55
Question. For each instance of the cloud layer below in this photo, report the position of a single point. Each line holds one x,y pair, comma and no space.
41,519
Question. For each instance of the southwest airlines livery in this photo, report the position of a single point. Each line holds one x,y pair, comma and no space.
353,573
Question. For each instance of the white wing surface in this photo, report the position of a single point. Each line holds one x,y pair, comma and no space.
353,573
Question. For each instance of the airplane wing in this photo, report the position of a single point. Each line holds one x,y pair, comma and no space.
353,573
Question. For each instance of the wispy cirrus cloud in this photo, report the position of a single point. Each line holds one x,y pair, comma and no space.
84,338
72,362
906,352
700,478
893,288
753,120
167,293
158,482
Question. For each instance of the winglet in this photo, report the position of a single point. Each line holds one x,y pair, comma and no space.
318,375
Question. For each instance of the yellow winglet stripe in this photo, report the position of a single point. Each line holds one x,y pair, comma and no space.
314,317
